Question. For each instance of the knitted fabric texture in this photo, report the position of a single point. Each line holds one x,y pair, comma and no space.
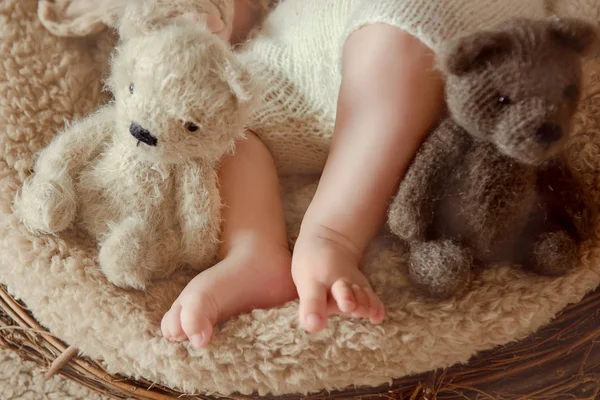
298,57
45,80
585,9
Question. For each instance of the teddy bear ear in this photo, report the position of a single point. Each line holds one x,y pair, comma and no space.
574,34
469,52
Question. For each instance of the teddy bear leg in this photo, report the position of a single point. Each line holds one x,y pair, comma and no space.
132,255
553,254
47,205
440,268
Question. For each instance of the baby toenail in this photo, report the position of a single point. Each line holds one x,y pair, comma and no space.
313,321
198,340
180,338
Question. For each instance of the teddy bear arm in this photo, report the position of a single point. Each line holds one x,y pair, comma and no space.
73,148
412,210
199,209
47,201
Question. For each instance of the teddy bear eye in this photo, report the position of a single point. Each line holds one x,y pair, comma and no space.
504,100
131,88
571,92
190,126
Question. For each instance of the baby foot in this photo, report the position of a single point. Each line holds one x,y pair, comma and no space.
249,277
328,280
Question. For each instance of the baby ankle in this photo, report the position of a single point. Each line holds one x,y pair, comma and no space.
312,230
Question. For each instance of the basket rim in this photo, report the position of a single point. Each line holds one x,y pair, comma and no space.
577,328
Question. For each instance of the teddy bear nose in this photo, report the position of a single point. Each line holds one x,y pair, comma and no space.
548,133
141,134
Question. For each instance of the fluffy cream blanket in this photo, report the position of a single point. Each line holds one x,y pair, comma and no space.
46,80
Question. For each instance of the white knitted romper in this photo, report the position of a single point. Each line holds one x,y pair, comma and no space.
297,55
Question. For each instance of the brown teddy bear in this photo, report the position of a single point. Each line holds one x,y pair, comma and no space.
489,184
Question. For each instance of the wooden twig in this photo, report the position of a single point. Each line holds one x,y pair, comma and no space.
60,362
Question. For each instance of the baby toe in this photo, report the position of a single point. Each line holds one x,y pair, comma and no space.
377,310
344,296
171,324
195,319
313,306
379,316
363,303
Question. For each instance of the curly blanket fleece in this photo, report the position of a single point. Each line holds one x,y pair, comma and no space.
45,80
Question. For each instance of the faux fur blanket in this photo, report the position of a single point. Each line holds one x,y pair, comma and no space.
46,80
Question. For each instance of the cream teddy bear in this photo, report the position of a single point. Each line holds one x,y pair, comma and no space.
140,173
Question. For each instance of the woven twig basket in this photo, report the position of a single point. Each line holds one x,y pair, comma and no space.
561,361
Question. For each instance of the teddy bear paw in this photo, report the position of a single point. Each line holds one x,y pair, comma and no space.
134,254
46,206
122,255
122,264
554,254
440,268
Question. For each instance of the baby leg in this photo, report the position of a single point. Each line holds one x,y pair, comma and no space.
254,271
390,96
